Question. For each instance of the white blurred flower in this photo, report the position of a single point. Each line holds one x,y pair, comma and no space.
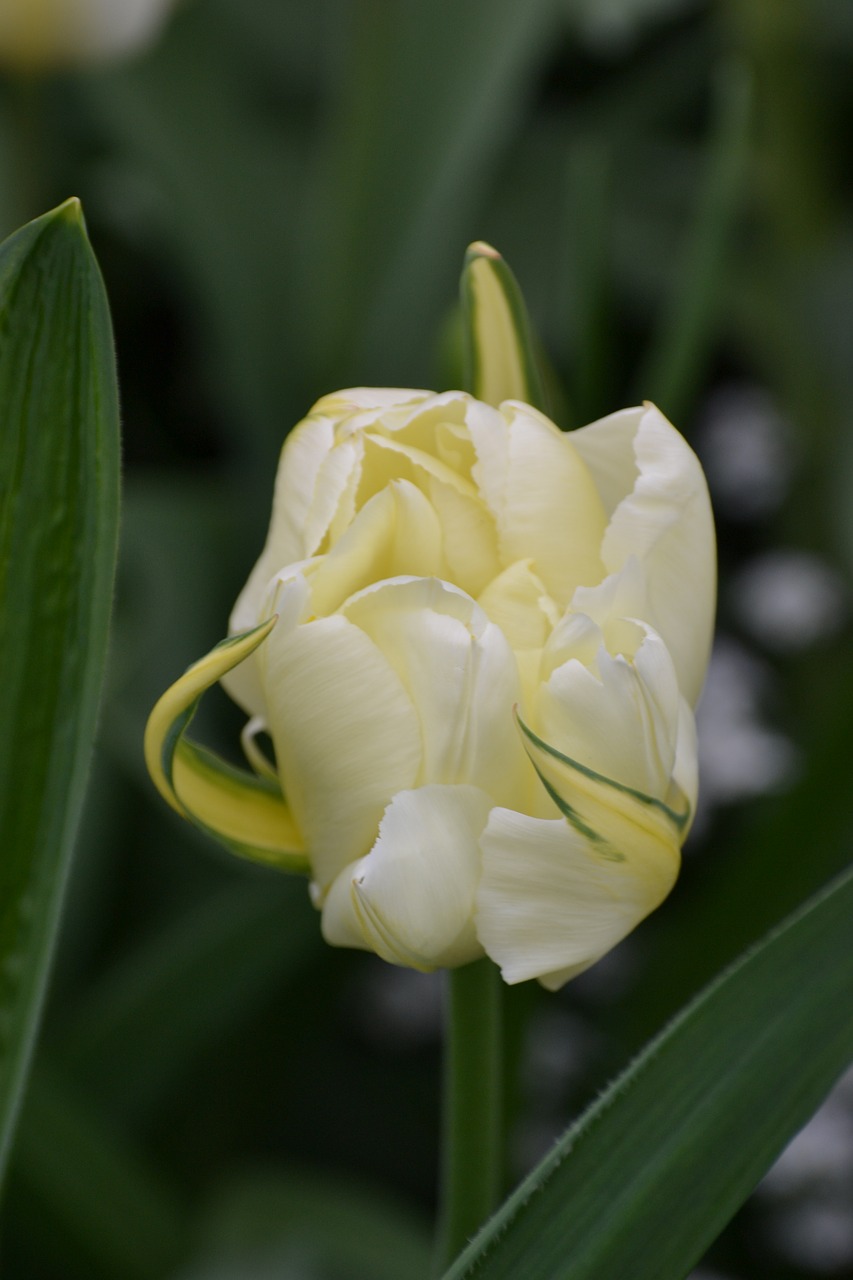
41,35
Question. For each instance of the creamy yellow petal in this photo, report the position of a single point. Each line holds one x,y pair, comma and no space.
663,518
312,480
247,814
618,714
470,537
397,531
550,904
411,899
516,600
543,498
460,675
345,732
376,400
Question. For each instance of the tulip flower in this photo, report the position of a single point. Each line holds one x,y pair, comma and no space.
40,35
475,642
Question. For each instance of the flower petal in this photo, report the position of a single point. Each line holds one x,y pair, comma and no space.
516,600
618,712
396,531
663,518
460,675
550,904
247,814
346,735
543,498
411,899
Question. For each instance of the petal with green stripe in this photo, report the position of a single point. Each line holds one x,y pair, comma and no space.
499,345
246,813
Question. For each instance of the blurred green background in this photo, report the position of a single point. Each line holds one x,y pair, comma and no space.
280,195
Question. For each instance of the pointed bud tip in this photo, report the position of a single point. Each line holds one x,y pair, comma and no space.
480,249
70,210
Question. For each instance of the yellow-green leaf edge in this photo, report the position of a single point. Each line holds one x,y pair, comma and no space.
246,813
500,354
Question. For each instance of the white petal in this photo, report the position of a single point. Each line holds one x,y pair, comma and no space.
541,493
684,787
663,518
607,448
548,902
517,602
470,537
345,732
461,676
411,899
312,478
397,531
357,400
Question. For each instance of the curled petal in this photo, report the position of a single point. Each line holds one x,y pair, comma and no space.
551,903
614,706
246,813
660,513
411,899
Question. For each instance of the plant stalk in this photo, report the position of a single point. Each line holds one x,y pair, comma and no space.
473,1112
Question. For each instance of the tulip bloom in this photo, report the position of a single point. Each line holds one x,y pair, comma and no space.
38,35
490,636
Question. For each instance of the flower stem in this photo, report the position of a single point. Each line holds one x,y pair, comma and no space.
472,1121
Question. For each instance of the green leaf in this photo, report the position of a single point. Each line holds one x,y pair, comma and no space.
499,346
643,1183
58,520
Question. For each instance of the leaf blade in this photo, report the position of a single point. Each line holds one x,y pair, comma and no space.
726,1084
58,537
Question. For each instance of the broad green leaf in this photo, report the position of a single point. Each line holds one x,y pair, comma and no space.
499,346
647,1178
58,519
244,812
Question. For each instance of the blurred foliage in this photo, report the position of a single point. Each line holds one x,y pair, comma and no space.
280,196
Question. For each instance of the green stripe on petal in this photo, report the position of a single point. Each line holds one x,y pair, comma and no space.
538,747
499,345
245,813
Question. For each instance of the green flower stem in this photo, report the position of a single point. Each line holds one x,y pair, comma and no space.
472,1122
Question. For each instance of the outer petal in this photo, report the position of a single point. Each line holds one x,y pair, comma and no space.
247,814
662,516
346,735
460,675
543,498
411,899
550,904
618,715
313,476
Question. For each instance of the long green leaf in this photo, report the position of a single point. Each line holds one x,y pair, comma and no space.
58,519
658,1165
